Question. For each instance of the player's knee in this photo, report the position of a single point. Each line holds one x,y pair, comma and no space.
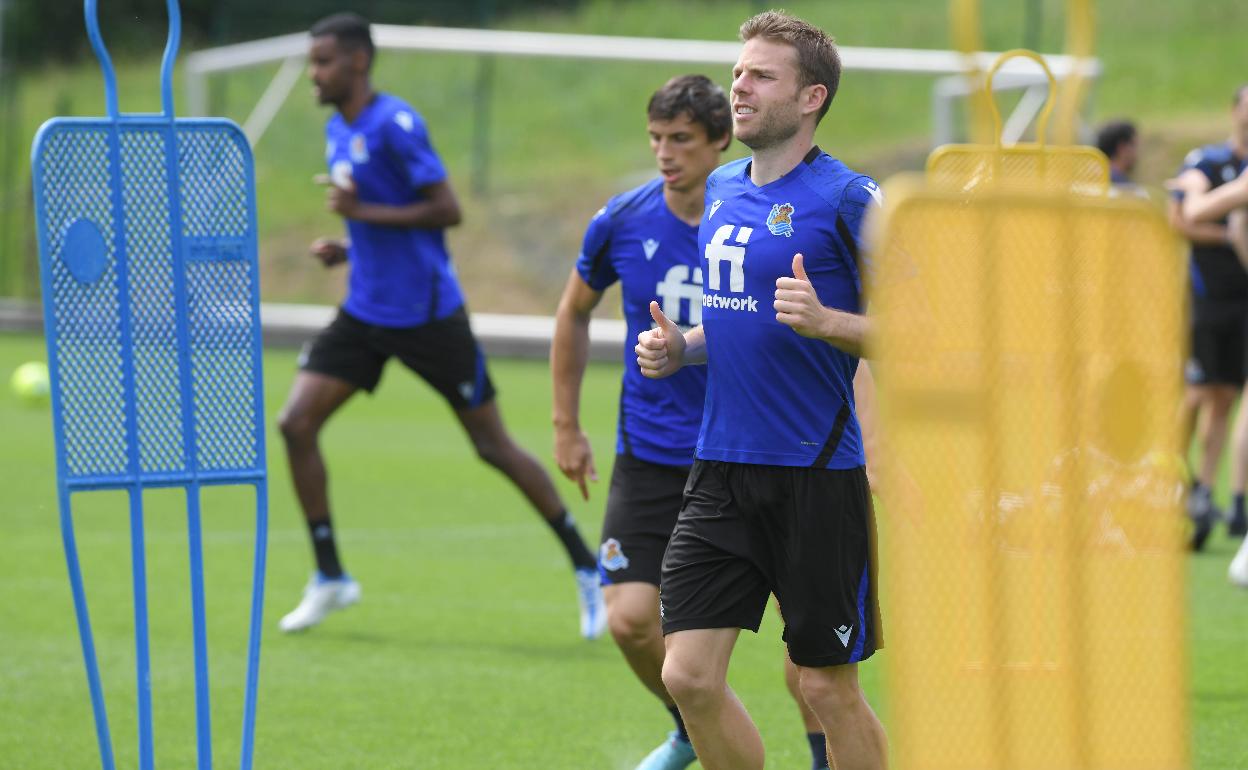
296,427
497,451
829,695
632,629
689,683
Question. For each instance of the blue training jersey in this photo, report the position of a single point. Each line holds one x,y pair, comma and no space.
773,396
1216,272
400,276
636,239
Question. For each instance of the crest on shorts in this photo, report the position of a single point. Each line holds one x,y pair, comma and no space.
780,220
611,556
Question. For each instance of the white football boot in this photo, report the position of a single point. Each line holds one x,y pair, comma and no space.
321,597
593,608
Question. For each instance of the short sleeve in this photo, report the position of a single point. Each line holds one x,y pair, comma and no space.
860,196
408,140
1196,159
594,263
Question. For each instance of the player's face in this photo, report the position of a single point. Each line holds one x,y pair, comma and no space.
685,155
766,94
330,69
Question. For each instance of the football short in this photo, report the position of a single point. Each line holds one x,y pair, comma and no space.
805,534
444,353
642,504
1218,341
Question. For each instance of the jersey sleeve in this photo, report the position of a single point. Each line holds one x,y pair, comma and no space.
1199,160
859,197
408,141
594,263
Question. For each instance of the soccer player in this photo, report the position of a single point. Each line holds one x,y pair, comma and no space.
391,189
1119,141
1215,372
647,241
777,500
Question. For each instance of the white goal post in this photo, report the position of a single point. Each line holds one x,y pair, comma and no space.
291,50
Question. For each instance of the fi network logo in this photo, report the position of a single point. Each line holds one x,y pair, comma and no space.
719,251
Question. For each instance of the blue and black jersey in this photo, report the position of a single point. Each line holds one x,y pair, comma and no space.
636,240
400,276
1216,272
773,396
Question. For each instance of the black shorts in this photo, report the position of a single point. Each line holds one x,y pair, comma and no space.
443,352
1218,341
805,534
642,506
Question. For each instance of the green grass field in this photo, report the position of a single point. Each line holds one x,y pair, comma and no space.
464,652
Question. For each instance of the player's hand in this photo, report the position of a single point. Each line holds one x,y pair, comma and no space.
797,305
339,198
330,251
575,458
661,350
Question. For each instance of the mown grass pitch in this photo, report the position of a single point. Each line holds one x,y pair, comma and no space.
464,652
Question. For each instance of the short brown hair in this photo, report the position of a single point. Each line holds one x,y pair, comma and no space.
818,61
700,98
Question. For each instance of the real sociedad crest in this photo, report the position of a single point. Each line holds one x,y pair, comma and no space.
358,149
780,220
611,556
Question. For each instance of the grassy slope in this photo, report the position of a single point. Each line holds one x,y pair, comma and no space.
464,653
566,134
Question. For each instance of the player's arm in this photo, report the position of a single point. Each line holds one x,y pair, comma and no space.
1237,233
330,251
1192,182
798,307
1215,204
569,354
864,409
663,350
437,209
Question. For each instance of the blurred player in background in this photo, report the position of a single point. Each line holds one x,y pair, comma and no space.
403,300
647,241
777,500
1215,371
1120,142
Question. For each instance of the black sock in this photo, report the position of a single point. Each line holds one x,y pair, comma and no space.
818,751
323,546
1239,505
681,732
565,529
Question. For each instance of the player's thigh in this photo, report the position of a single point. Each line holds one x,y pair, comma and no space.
633,610
313,398
347,351
714,575
827,586
445,354
697,659
643,501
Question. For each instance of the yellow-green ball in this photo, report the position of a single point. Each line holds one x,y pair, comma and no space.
30,382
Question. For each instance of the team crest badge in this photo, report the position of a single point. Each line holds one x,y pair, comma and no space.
780,220
611,556
358,149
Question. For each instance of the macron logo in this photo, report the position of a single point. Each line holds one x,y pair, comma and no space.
843,633
714,207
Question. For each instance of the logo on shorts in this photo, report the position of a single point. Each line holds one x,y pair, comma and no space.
780,220
1194,372
843,633
611,556
466,389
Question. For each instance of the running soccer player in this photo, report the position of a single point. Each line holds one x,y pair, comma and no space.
647,241
390,187
1215,372
777,500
